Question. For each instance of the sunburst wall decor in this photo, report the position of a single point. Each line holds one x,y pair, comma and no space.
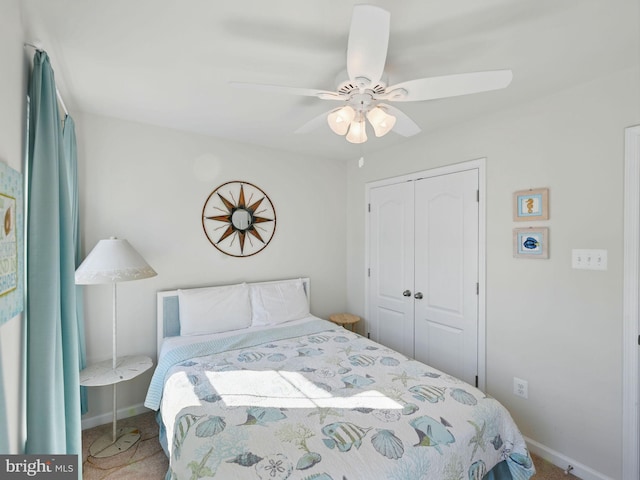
239,219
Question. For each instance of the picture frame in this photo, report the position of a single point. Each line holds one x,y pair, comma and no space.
11,244
532,204
532,242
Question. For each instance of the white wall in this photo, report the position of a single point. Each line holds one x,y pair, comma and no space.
13,91
149,184
556,327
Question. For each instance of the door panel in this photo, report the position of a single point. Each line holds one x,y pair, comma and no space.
443,340
390,335
391,271
438,245
446,273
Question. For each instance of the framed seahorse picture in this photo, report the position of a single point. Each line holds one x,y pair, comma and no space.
532,204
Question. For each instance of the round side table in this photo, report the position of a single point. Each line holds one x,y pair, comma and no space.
347,320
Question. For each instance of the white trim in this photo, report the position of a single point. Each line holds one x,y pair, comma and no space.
630,404
433,172
482,275
562,461
107,418
480,165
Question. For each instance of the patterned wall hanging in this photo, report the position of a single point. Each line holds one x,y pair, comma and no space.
11,244
239,219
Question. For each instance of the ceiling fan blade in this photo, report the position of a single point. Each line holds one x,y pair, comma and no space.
314,123
368,42
447,86
404,125
306,92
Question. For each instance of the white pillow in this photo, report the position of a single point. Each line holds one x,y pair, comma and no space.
214,309
280,302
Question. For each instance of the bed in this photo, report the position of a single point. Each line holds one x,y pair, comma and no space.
250,385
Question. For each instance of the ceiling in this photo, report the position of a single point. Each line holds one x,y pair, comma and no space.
169,62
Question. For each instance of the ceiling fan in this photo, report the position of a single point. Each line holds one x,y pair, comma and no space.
365,94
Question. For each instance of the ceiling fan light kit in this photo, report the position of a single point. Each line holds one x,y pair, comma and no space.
346,119
364,90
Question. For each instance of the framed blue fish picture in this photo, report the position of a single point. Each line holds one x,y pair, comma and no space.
532,204
531,242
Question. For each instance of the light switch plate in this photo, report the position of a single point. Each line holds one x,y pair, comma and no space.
589,259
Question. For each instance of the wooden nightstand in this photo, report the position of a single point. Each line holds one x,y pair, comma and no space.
345,319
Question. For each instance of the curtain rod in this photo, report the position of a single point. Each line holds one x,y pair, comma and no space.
62,104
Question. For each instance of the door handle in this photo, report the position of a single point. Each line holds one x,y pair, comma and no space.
418,295
406,293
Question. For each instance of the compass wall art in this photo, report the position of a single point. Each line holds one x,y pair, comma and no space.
239,219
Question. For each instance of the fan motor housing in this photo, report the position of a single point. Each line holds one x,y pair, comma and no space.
350,87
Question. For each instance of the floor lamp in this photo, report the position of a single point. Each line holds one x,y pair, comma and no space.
113,261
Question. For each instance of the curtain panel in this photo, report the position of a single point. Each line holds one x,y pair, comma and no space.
4,434
53,339
71,161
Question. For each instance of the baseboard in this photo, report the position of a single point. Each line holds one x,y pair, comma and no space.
90,422
563,462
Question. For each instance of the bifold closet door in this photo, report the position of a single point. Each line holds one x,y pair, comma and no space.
391,314
446,273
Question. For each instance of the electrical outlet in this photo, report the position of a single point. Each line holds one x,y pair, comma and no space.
520,387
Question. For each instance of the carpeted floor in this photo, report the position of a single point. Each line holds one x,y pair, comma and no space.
146,460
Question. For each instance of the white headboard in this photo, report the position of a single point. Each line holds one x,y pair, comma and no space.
168,312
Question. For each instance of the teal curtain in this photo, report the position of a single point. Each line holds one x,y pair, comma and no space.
53,353
71,162
4,434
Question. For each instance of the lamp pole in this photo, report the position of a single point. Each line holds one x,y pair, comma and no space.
115,354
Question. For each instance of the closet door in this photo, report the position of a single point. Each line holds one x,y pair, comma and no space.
446,273
391,314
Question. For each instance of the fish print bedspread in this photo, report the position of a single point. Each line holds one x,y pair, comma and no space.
330,405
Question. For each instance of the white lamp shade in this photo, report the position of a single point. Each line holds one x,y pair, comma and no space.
357,132
340,119
381,121
111,261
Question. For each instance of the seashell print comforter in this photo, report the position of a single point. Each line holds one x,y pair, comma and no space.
317,402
